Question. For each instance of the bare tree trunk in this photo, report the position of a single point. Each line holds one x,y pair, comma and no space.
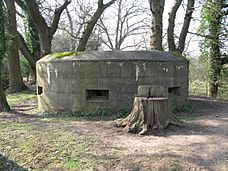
89,28
171,25
213,91
157,8
185,27
118,26
15,78
45,43
4,106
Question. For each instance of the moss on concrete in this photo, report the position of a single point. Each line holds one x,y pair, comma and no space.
64,54
176,53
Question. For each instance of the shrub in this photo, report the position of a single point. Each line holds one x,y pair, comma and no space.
186,107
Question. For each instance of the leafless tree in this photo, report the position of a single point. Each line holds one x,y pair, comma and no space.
125,22
81,26
75,20
91,24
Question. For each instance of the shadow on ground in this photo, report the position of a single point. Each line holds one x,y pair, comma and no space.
9,165
64,116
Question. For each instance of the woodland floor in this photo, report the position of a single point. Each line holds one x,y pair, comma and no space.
31,141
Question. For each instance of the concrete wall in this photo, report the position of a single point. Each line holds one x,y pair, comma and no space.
63,84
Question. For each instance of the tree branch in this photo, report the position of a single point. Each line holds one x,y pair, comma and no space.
187,20
201,35
102,26
108,4
58,12
171,25
25,51
92,23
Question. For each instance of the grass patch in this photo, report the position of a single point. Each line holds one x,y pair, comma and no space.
14,126
18,98
70,164
188,117
39,148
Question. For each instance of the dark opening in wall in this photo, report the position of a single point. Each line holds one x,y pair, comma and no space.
39,90
97,94
174,91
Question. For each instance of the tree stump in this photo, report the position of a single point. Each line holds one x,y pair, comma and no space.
148,113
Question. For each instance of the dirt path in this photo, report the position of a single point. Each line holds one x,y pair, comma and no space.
201,144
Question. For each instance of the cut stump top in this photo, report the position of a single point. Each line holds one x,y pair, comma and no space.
153,98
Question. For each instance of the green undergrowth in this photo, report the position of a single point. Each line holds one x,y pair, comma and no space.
64,54
189,111
95,115
186,107
18,98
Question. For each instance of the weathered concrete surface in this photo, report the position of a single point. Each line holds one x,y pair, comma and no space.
65,81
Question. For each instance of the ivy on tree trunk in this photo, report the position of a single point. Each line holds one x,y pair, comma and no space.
211,27
3,47
46,32
15,82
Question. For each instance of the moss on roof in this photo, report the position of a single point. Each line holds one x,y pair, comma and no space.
176,53
156,56
64,54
